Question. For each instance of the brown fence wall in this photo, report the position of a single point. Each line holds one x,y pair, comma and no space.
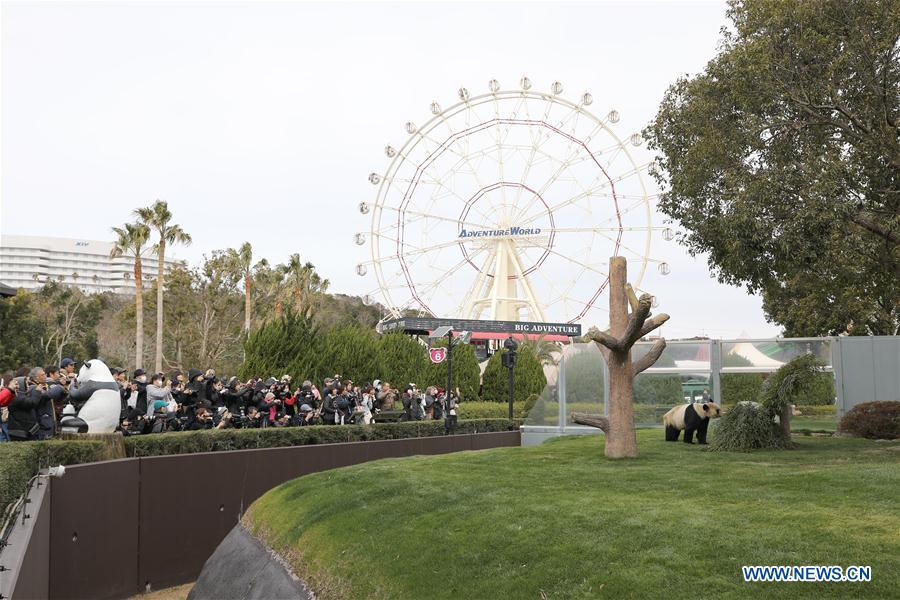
117,527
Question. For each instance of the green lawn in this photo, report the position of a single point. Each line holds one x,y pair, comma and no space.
815,423
559,520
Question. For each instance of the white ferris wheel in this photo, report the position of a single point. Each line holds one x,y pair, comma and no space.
507,206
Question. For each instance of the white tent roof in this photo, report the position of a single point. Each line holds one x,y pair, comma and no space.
756,358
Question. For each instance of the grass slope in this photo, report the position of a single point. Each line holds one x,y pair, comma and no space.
559,520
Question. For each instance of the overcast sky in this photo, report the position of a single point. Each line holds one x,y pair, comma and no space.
260,122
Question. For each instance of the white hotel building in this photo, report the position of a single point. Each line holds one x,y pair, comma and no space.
29,261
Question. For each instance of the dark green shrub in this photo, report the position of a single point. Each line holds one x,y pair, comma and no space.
747,426
741,387
20,461
820,391
873,420
656,389
528,374
403,360
466,372
289,345
350,351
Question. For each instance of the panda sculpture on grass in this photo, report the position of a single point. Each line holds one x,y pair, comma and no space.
99,392
691,418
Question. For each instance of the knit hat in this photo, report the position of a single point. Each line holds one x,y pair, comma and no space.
139,372
194,374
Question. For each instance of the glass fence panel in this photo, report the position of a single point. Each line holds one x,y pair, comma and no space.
772,354
656,393
585,387
687,376
680,355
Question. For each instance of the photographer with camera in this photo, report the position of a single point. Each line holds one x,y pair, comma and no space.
329,405
202,420
364,405
269,408
159,395
237,396
384,395
412,404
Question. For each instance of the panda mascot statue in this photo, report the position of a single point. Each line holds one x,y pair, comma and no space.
99,393
690,417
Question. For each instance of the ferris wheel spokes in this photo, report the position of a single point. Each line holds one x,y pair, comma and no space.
538,251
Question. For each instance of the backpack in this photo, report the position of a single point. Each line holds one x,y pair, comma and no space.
6,396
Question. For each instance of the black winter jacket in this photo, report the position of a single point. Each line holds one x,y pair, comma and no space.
23,417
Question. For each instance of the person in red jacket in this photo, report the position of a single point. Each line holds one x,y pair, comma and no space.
8,387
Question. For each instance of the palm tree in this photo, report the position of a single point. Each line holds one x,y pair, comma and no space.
241,262
306,283
131,240
157,218
544,350
269,284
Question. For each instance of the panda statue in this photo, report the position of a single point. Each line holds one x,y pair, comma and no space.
99,393
690,417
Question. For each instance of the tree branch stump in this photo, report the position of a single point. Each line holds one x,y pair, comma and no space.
598,421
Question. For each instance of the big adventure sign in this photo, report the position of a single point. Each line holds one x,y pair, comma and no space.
423,325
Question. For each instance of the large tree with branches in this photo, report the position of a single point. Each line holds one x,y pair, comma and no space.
615,344
782,161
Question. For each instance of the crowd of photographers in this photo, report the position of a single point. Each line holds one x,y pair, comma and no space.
37,402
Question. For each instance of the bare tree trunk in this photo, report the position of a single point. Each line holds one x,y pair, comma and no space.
138,314
160,276
785,419
615,345
621,441
247,309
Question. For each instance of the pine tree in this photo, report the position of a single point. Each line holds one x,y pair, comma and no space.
290,345
528,377
352,352
403,360
466,372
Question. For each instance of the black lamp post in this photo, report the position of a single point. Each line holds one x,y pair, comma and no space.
449,366
509,361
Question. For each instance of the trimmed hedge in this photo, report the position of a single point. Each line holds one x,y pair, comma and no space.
19,461
187,442
873,420
820,410
490,410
